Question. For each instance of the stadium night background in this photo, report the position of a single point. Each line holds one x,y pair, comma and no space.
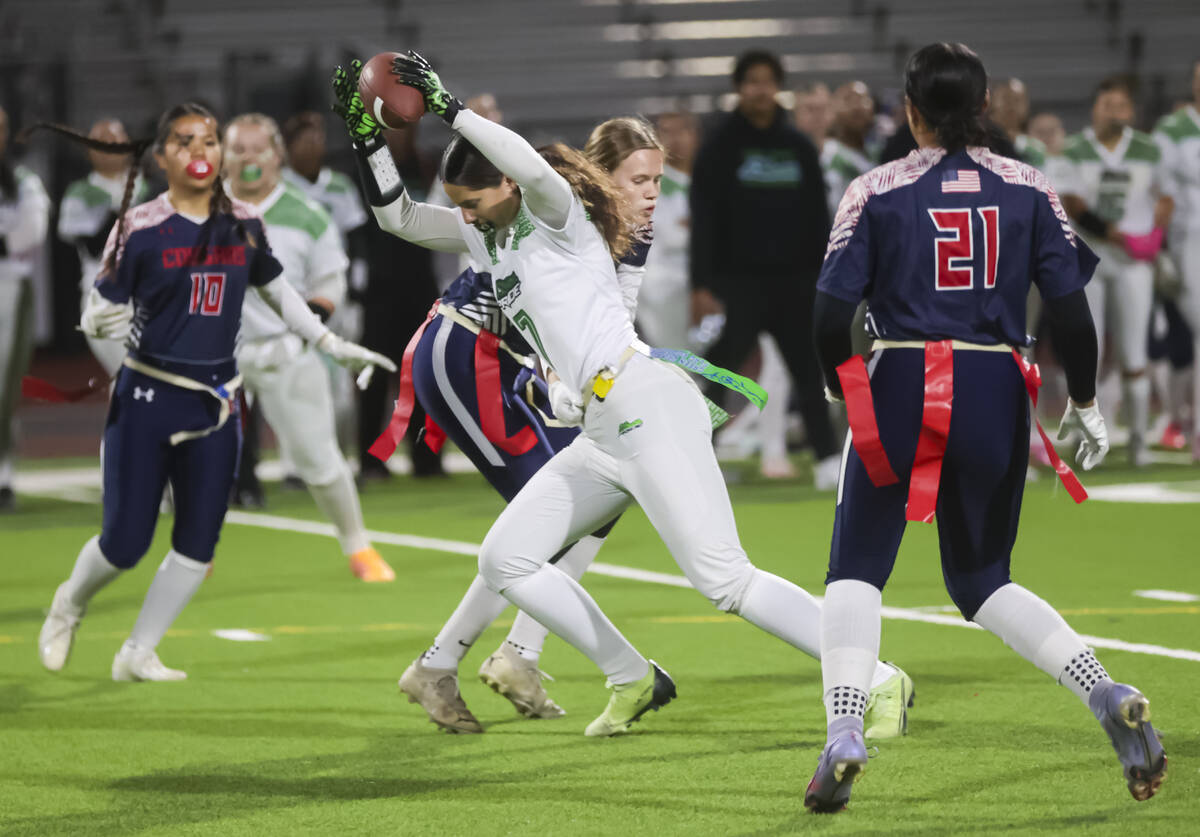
336,574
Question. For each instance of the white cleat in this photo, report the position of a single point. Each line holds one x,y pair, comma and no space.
58,631
134,664
520,680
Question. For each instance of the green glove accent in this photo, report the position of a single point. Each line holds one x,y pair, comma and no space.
415,71
348,104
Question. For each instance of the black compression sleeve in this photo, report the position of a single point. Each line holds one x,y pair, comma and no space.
377,169
832,319
1092,223
1074,336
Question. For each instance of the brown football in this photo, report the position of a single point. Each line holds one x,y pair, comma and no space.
385,97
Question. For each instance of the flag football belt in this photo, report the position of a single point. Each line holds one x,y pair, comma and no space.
601,385
925,477
383,447
224,393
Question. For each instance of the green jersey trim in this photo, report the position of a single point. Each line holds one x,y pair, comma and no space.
295,211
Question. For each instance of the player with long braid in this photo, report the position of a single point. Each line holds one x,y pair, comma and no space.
952,395
549,235
172,281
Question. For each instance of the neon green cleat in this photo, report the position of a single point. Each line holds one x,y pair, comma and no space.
631,701
887,707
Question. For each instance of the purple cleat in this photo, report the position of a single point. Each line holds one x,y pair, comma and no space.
1124,712
841,765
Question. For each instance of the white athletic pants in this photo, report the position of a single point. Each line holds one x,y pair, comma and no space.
297,401
650,441
1121,294
1186,246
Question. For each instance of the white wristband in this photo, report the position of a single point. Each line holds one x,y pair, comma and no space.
383,169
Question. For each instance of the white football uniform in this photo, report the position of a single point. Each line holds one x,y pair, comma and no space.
24,217
841,164
1122,187
287,378
1178,136
648,440
664,303
88,205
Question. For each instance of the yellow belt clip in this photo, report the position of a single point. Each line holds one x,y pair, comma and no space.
602,384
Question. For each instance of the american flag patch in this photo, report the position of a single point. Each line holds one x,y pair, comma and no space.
960,180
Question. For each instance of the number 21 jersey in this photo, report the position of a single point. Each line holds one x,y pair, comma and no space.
946,246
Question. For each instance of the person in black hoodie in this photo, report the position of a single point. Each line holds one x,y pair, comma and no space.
759,228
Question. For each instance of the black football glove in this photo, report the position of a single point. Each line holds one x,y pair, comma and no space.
415,71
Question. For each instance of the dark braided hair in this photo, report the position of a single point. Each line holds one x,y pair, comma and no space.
219,203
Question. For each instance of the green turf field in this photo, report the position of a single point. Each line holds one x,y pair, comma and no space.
306,733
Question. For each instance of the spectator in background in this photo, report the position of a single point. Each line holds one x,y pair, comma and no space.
1048,129
1009,109
844,155
304,138
87,213
664,306
759,228
24,218
813,112
400,289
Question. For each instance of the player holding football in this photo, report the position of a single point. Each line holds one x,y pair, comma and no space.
173,278
951,397
1110,178
473,374
285,376
549,236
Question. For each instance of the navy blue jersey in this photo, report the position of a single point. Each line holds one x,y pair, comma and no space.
471,294
187,302
947,245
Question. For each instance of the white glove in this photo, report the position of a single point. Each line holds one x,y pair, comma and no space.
1090,424
566,404
354,357
104,319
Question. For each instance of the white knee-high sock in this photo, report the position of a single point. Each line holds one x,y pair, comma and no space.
529,635
479,608
177,580
1029,626
1137,396
784,610
558,601
338,501
91,572
849,646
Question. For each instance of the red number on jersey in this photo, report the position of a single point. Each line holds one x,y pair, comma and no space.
954,254
208,294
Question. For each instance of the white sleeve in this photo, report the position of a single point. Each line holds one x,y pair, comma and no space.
33,220
292,309
76,219
429,226
544,190
327,266
629,280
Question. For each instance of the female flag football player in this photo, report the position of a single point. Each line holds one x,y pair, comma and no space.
952,393
173,277
288,379
548,237
473,374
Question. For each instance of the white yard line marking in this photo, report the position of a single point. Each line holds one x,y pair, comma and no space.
1167,595
240,635
74,480
1146,492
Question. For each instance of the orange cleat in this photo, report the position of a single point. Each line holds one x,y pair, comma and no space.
369,565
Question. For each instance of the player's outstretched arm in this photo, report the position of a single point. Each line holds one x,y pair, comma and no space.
434,227
546,193
295,313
